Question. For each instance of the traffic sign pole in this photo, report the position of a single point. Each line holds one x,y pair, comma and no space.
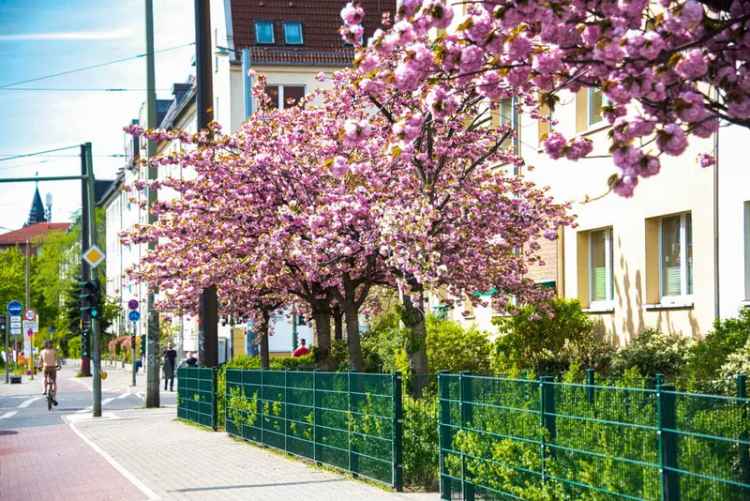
132,349
133,316
6,321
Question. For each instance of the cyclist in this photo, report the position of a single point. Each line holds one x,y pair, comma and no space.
48,362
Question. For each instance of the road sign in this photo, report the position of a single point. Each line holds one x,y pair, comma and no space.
29,315
94,256
30,325
133,304
15,308
15,325
134,316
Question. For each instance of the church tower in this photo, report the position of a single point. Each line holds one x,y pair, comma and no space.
37,214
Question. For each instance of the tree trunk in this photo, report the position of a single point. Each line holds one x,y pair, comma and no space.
323,334
264,356
416,345
338,323
352,338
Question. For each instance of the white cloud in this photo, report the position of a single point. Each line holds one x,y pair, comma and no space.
69,35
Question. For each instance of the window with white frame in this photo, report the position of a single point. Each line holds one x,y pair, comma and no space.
747,250
293,33
264,32
601,288
676,257
284,96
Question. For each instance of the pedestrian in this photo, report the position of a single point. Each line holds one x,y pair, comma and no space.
169,363
302,349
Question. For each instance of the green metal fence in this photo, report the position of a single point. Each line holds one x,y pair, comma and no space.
196,395
352,421
503,438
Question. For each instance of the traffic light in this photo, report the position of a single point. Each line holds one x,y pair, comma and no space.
143,344
3,325
89,296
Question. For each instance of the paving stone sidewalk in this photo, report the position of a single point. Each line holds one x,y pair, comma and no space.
177,461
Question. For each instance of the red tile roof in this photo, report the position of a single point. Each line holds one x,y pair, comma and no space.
30,233
320,29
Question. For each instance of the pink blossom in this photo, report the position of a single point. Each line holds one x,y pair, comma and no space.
472,58
352,14
692,65
671,140
519,47
706,160
555,145
438,14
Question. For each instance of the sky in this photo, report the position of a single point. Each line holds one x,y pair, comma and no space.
43,37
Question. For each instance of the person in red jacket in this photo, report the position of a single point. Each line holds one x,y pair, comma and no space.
301,350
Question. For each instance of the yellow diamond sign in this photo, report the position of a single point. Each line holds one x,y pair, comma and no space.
94,256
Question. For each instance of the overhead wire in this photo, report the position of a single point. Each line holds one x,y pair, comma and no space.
93,66
38,153
51,89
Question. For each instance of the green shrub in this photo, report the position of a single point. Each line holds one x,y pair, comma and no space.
306,362
74,347
241,362
420,443
452,348
547,338
653,352
710,354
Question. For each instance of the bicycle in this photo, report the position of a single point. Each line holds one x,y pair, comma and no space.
51,388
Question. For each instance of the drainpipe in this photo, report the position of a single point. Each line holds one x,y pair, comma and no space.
717,308
247,83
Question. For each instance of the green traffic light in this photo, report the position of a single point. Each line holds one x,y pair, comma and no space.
94,312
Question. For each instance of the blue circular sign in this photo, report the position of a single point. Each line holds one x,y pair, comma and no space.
134,316
15,308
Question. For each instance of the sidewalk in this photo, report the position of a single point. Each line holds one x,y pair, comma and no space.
172,460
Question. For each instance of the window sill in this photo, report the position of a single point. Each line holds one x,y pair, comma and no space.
687,305
599,309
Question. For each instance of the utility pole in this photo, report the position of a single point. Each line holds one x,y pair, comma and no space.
85,268
208,312
96,384
5,319
152,331
28,307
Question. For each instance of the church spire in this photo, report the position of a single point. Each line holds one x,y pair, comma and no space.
37,213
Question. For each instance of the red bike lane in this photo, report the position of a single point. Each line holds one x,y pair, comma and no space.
52,462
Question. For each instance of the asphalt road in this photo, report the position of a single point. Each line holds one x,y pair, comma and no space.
37,443
23,406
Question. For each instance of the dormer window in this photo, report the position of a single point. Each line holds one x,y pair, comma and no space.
293,33
264,32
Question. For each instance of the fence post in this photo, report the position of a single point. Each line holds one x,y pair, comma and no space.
397,433
742,446
353,458
466,418
547,415
667,420
444,418
214,410
286,427
261,410
590,385
315,417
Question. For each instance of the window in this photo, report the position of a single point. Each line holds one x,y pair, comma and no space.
747,250
676,256
600,267
596,101
264,32
284,96
293,33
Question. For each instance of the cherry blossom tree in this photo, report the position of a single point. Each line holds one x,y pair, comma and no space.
319,203
670,69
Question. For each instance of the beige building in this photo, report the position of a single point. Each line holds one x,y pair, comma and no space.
674,257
